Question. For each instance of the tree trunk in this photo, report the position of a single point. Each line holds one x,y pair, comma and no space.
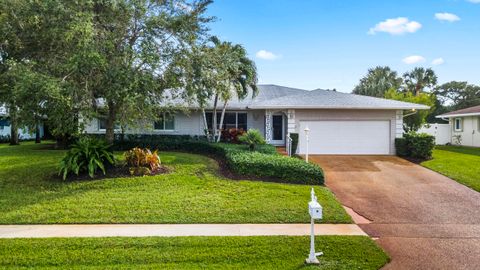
205,123
38,138
214,124
13,127
110,129
221,120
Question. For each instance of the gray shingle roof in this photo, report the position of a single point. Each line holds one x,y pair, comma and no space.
475,110
328,99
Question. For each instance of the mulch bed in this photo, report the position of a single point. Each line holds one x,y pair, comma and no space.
112,172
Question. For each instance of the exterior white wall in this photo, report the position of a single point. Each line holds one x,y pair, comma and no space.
256,120
441,132
470,132
331,114
185,124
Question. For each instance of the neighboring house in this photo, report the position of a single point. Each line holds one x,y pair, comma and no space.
5,129
339,123
465,126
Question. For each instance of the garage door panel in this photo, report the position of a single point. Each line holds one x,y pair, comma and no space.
347,137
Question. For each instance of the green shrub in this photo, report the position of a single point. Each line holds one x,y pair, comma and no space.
87,155
420,145
263,162
294,137
401,147
287,169
415,145
252,138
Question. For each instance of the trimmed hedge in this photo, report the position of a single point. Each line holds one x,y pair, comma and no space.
415,145
263,162
287,169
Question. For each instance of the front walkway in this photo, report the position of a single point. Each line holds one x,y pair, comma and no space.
167,230
422,219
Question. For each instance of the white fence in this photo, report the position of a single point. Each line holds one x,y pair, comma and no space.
442,132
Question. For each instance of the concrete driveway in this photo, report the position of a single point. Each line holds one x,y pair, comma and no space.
422,219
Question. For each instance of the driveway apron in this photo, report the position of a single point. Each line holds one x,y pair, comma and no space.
424,220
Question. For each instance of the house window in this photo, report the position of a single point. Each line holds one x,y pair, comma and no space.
478,123
102,124
231,120
165,122
458,124
4,123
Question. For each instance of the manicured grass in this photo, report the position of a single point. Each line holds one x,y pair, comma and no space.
31,193
277,252
459,163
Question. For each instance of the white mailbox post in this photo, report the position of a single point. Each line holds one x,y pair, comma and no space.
315,211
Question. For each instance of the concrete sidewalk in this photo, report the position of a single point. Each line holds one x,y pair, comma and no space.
169,230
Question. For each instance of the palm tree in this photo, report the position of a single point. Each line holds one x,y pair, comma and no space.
218,71
235,75
377,81
418,79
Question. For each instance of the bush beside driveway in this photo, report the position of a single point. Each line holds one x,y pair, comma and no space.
462,164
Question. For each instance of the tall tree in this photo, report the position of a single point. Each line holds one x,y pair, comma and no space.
237,74
218,72
378,81
419,80
111,53
459,95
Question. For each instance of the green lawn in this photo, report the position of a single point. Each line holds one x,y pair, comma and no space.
459,163
31,193
272,252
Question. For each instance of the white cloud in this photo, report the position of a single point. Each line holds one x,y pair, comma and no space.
447,17
396,26
266,55
438,61
414,59
474,1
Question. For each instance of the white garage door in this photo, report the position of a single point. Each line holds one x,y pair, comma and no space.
346,137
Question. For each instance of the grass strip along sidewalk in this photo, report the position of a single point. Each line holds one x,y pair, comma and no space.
270,252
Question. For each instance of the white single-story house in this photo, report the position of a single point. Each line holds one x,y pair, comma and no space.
339,123
465,126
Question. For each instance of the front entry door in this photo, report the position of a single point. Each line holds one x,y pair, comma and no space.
278,129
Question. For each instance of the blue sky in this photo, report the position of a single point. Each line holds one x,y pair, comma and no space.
330,44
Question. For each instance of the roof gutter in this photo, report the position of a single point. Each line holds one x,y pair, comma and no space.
457,115
341,107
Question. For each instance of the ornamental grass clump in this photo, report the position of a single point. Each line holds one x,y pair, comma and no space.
87,155
142,161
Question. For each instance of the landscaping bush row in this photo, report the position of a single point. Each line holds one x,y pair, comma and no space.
415,145
263,162
287,169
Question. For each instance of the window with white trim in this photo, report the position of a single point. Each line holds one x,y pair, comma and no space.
458,124
165,122
231,120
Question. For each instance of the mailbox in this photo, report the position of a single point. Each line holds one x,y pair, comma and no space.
315,210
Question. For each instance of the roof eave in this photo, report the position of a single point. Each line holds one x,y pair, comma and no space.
341,107
457,115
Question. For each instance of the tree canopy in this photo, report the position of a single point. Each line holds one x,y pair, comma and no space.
378,81
106,58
